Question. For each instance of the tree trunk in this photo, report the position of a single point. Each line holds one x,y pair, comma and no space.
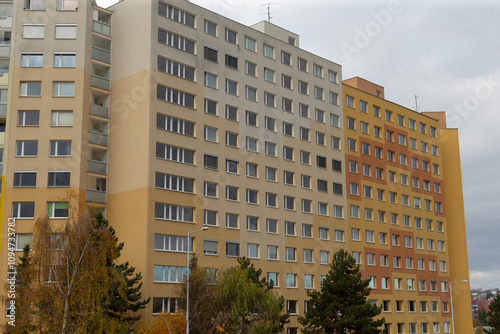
65,316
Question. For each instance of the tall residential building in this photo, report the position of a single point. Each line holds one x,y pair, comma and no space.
190,119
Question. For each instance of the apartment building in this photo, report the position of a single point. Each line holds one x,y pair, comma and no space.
190,119
404,230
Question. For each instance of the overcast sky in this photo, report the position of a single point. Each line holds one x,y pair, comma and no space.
446,52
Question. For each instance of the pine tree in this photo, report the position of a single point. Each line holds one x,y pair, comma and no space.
124,288
493,317
341,305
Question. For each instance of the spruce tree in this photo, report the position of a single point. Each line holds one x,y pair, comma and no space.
493,316
124,289
341,305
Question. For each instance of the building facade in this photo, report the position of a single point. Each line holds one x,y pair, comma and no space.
190,119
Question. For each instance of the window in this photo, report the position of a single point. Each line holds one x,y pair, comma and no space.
302,64
442,266
210,107
272,278
272,252
253,251
308,256
286,81
231,36
288,153
268,74
210,247
286,104
268,51
289,228
365,148
349,100
31,60
232,249
251,144
22,240
28,118
318,93
289,203
33,30
270,174
370,259
372,282
395,240
65,31
305,181
291,280
286,58
165,305
231,193
339,235
251,93
58,179
57,209
307,230
287,129
288,177
351,144
209,188
409,263
252,196
369,236
173,124
305,157
408,243
210,28
174,96
367,171
24,179
324,257
23,210
308,281
421,264
396,261
169,274
338,211
350,123
26,148
250,44
384,260
306,205
410,286
231,139
210,80
30,88
252,223
175,41
303,87
173,212
337,188
210,133
353,189
232,220
290,254
382,238
271,226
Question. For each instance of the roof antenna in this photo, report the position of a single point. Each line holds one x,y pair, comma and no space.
269,17
416,101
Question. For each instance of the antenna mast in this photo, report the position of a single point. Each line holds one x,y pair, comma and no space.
268,5
416,102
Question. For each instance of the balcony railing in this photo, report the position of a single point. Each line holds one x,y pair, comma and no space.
98,167
96,196
4,50
99,82
102,28
98,110
101,54
98,138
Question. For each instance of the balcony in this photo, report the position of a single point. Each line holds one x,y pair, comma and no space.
97,167
96,196
98,138
99,82
101,54
98,110
102,28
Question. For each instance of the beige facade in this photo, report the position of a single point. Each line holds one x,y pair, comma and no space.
188,119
